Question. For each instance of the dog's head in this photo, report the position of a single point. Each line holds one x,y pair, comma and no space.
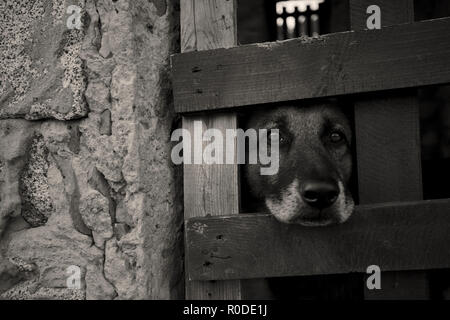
315,165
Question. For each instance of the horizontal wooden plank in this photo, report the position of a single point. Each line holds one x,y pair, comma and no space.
401,56
395,236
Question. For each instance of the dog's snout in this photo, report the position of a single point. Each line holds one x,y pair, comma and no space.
320,194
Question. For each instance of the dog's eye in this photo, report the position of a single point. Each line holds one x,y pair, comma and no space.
336,137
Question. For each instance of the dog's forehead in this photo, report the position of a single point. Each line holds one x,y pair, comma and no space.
312,117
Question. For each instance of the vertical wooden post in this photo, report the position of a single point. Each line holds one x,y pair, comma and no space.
388,149
210,189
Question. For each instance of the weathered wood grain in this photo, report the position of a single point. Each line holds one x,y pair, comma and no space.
210,24
395,236
387,134
210,188
387,131
336,64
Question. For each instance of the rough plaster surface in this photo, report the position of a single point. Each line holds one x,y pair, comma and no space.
85,171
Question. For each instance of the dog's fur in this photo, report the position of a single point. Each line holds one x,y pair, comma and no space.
308,156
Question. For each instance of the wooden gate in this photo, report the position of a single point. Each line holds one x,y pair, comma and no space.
392,227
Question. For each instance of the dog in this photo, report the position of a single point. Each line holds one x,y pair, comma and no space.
311,187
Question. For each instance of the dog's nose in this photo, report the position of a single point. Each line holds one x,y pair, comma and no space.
320,194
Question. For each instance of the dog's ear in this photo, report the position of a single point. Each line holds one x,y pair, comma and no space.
177,122
346,105
243,119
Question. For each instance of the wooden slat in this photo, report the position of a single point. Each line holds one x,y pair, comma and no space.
395,236
342,63
210,24
388,147
387,131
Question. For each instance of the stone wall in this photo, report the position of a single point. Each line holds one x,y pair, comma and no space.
85,173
